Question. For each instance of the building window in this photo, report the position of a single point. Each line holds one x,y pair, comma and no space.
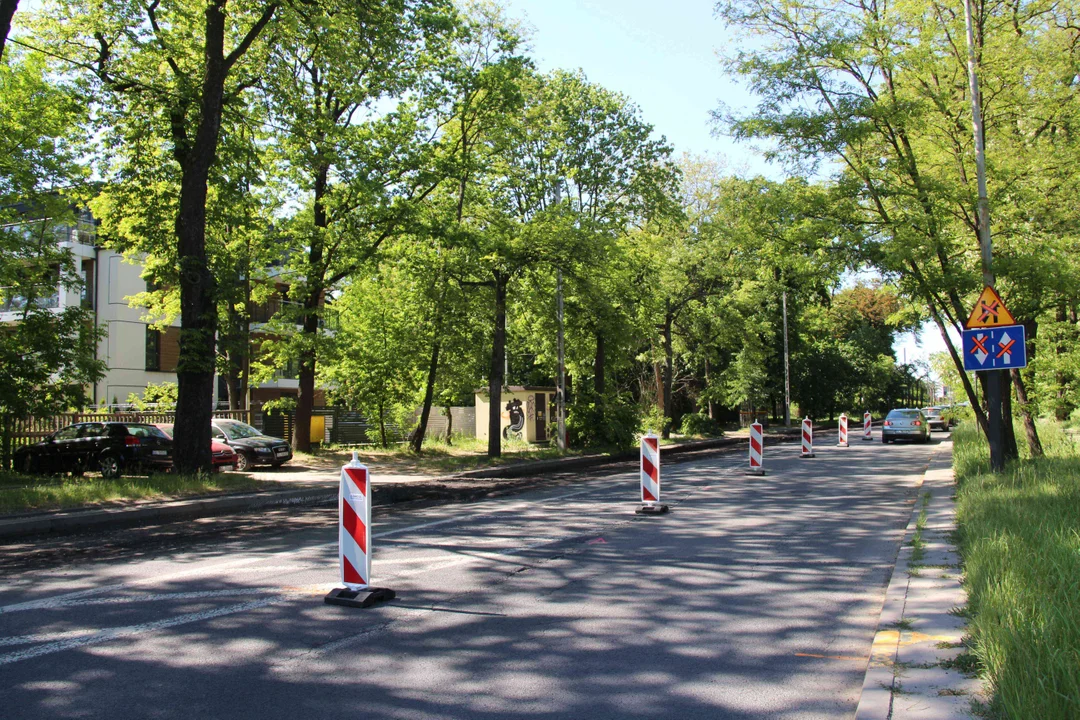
153,349
86,294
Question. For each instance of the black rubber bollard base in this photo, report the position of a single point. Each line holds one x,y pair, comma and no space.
757,472
359,598
808,455
651,510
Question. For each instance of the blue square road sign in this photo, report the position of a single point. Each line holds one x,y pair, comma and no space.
995,348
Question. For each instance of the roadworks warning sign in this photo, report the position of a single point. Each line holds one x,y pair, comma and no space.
989,311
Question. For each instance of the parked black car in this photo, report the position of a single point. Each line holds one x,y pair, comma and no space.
251,446
111,447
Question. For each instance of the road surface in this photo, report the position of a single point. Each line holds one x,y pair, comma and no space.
754,598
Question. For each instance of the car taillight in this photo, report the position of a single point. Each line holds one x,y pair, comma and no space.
132,441
888,423
918,423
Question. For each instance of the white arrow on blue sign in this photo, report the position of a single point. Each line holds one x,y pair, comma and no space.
995,348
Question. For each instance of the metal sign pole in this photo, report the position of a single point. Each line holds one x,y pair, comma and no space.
993,379
787,368
560,441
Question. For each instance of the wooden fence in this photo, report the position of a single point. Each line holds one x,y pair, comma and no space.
19,432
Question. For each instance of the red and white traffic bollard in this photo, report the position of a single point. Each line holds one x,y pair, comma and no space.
807,438
843,431
757,445
866,427
354,540
650,477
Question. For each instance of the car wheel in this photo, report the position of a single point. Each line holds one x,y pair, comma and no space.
28,465
243,462
110,467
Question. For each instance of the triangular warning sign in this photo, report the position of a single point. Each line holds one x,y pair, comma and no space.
989,311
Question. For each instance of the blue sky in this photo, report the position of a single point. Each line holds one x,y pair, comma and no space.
663,56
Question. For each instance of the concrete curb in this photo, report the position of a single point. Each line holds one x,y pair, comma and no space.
452,488
910,673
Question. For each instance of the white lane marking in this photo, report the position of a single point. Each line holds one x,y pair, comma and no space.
133,630
76,598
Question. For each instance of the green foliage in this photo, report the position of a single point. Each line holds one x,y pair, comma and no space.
602,422
699,424
48,354
155,397
1020,542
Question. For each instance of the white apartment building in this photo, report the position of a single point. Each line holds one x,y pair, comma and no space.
134,354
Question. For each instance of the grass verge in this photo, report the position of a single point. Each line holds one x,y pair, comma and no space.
27,493
1020,542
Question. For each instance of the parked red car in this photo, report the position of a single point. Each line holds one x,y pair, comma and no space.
224,457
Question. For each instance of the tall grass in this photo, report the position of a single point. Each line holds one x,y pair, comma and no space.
1020,542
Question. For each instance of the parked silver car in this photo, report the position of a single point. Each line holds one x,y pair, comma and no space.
935,418
905,424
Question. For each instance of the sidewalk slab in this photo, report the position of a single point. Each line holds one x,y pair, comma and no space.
910,674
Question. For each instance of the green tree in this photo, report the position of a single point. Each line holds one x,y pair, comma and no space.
48,355
559,180
165,72
882,91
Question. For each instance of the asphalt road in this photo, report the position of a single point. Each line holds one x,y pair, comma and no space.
754,598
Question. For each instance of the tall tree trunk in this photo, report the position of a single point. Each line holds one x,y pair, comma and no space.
433,369
198,292
598,365
1031,433
449,424
498,356
712,414
429,395
316,273
382,425
658,376
198,296
7,11
305,395
669,367
1063,406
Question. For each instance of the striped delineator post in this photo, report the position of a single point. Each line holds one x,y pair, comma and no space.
757,445
807,438
843,431
866,419
354,540
650,476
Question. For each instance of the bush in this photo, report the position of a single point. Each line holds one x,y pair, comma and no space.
699,424
600,422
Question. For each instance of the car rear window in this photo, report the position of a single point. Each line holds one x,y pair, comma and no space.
906,414
145,431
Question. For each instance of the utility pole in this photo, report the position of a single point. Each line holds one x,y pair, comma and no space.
560,381
993,377
787,368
